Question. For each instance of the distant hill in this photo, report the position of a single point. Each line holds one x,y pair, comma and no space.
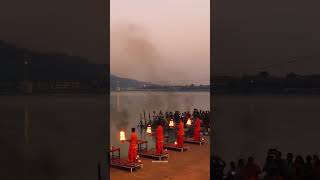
126,83
19,64
46,66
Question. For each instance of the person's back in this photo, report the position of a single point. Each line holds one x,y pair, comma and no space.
308,167
280,165
289,167
240,169
197,129
132,153
159,132
180,133
299,168
252,170
181,128
316,170
159,143
232,173
270,167
218,168
133,140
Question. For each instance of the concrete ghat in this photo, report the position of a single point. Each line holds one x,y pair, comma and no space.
190,165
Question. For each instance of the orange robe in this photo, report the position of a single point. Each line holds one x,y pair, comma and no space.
180,134
197,129
132,153
159,143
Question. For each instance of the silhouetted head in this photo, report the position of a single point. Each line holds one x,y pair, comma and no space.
308,159
272,151
299,159
269,159
278,155
232,165
250,160
133,129
241,162
290,157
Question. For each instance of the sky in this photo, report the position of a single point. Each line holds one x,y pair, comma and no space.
249,34
162,41
75,27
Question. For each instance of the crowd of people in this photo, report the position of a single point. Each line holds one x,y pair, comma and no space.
176,116
275,168
201,118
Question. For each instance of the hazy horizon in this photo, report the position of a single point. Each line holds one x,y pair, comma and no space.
166,42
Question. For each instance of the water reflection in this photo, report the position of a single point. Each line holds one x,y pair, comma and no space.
52,137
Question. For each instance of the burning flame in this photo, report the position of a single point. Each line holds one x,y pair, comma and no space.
171,124
189,122
175,143
122,136
149,129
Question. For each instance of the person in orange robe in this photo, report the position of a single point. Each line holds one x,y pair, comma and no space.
132,153
197,129
180,133
159,143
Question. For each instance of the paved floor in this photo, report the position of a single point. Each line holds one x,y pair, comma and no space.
190,165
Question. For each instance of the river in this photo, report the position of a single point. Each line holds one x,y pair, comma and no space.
52,136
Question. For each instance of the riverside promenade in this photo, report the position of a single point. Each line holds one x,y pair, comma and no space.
189,165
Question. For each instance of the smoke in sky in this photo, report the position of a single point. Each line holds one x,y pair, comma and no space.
137,54
134,54
165,42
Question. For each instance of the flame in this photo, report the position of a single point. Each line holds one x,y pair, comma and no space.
175,143
149,129
122,136
189,122
171,124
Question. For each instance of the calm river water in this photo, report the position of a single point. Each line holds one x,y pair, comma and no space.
58,137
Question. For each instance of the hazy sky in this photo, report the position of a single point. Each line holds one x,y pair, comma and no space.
76,27
164,41
249,34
